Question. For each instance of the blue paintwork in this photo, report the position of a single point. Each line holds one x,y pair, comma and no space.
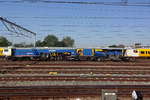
30,52
108,53
116,52
36,52
87,52
72,51
99,54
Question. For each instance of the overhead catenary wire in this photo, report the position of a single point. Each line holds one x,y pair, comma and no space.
118,3
81,20
77,17
19,30
18,26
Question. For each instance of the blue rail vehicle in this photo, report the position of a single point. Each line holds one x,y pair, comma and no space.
62,53
29,53
114,54
89,54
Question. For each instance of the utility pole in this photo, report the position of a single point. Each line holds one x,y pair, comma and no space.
12,27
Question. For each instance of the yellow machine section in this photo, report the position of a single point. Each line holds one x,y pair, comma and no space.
1,51
93,52
54,54
123,52
80,51
98,50
67,53
144,52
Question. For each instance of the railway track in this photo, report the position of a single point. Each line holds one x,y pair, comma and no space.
76,78
66,77
28,74
122,90
75,70
74,63
76,73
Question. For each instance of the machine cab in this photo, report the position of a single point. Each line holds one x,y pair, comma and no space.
1,51
131,53
8,52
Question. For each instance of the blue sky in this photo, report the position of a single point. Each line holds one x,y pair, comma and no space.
88,24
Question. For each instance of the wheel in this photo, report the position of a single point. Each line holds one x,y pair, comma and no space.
14,59
88,59
100,59
132,59
43,56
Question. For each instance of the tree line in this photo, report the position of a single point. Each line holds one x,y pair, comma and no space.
49,41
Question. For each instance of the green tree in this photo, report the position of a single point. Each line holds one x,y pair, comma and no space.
68,42
60,44
4,42
50,41
23,44
29,45
117,46
39,43
113,46
19,45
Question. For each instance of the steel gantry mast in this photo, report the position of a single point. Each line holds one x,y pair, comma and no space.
19,30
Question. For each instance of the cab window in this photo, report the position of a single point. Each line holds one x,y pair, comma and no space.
6,50
148,52
142,52
135,51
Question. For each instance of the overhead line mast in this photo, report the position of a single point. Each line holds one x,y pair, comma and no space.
12,27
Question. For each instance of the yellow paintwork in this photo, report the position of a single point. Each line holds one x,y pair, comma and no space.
123,52
98,49
1,51
91,73
67,53
81,53
54,54
146,52
93,52
53,73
